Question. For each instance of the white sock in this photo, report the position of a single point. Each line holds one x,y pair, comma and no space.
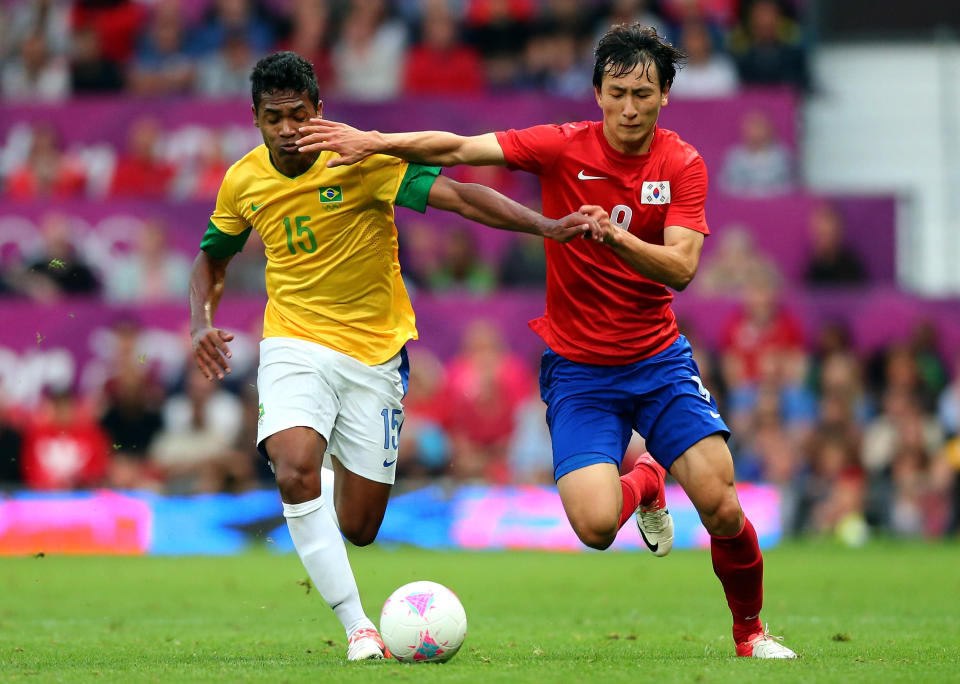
324,555
326,492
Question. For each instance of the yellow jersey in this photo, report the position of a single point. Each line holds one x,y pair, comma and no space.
332,274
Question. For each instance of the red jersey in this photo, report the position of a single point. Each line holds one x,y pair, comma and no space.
600,310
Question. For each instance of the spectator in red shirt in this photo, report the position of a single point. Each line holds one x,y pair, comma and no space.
47,172
140,173
440,63
761,333
64,448
486,385
117,22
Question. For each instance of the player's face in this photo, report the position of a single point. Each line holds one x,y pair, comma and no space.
631,104
279,117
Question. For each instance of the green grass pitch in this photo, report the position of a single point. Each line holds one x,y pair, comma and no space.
884,613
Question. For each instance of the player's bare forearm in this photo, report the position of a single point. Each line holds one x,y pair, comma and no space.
444,149
487,206
425,147
209,343
206,287
672,265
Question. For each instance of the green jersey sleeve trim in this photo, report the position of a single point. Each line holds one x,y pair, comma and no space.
415,186
221,245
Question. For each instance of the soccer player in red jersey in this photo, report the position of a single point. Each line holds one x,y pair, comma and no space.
616,361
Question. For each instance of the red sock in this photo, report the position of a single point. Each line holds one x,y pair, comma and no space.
640,487
739,565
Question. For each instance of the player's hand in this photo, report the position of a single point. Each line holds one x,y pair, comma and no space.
570,226
605,231
211,352
351,144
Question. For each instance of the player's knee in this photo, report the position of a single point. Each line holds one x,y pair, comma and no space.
359,533
297,478
596,534
726,519
600,542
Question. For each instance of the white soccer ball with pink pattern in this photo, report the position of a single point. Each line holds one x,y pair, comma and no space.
423,622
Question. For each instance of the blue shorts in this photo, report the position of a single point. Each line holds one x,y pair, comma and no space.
592,410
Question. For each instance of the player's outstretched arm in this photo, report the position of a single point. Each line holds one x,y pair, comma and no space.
438,148
487,206
210,348
674,263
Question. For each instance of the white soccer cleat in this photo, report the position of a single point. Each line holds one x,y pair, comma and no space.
656,529
764,645
654,520
366,644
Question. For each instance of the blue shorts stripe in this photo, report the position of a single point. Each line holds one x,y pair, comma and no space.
404,369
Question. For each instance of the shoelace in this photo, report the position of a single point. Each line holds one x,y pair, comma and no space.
765,635
364,633
653,521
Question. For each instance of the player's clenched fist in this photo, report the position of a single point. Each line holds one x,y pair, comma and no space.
211,351
605,231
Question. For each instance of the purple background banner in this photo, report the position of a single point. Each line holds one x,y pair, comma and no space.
70,342
778,227
710,125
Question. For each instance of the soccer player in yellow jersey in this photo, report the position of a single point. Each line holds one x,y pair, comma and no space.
333,369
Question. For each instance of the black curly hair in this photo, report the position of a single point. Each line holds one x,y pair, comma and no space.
625,46
284,71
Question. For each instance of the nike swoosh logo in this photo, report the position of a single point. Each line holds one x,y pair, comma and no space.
387,464
583,176
652,547
715,415
254,207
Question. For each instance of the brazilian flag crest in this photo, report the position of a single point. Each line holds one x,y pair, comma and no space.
331,193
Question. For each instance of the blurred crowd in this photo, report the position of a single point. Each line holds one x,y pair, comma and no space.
856,440
188,162
363,51
377,50
128,260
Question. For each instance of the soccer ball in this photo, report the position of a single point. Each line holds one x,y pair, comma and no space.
423,622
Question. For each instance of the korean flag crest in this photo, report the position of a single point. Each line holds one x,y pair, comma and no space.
655,192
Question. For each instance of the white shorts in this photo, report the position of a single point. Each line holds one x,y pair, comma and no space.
357,408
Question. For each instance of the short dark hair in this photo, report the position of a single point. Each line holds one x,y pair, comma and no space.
284,71
625,46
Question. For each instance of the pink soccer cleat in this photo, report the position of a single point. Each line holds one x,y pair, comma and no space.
366,644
